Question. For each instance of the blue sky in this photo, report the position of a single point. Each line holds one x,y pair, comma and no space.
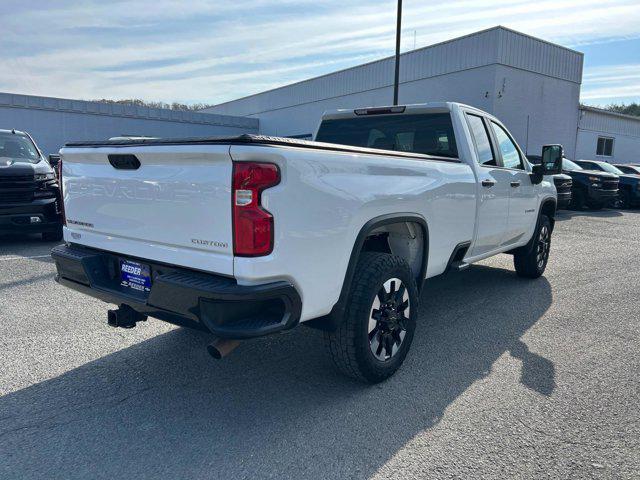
214,51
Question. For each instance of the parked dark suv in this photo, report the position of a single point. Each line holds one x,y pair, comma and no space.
631,169
592,188
629,189
562,182
29,193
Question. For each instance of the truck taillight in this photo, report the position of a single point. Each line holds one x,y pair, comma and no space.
252,224
59,168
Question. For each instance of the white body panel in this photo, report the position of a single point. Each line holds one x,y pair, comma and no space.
179,196
493,204
322,202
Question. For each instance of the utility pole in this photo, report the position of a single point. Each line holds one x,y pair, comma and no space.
397,73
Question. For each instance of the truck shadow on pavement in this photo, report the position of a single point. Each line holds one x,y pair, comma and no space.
275,408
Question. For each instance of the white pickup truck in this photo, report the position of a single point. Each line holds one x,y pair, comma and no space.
251,235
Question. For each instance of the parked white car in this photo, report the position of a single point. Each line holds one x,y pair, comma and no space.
251,235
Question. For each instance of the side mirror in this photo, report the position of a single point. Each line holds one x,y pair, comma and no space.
54,160
552,159
550,164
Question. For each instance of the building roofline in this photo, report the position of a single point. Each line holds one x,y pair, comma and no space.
502,27
89,107
444,42
609,112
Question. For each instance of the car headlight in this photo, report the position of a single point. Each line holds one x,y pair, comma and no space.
45,176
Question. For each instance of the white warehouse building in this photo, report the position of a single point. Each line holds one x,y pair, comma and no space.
609,136
52,122
532,85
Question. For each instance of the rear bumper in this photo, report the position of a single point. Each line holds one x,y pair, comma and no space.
182,296
17,218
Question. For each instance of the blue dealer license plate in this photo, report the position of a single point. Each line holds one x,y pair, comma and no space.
134,275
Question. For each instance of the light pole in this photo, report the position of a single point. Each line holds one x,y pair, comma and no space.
397,72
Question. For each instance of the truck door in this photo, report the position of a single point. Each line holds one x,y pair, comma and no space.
493,190
522,198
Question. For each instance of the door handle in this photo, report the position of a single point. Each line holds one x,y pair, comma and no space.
488,183
515,184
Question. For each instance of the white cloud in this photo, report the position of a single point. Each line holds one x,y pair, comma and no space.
611,84
212,51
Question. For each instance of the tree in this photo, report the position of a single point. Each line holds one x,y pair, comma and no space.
631,109
143,103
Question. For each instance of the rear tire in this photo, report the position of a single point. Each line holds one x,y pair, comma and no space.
531,263
55,236
374,337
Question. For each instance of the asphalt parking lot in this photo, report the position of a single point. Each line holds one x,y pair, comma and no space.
507,378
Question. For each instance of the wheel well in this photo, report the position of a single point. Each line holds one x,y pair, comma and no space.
403,239
549,209
406,236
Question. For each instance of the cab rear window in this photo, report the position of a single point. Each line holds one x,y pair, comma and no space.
427,133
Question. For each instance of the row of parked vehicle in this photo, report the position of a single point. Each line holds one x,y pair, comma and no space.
30,203
249,235
29,192
596,184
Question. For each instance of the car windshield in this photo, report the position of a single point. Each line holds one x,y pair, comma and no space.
607,167
569,165
18,148
430,133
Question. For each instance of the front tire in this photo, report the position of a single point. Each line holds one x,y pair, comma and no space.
532,262
624,200
374,338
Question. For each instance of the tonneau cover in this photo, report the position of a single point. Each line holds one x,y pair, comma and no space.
245,138
251,140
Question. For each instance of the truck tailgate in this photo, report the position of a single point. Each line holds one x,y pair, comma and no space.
174,208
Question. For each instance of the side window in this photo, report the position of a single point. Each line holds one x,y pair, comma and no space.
510,154
481,140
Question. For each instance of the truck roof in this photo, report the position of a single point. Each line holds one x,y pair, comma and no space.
394,110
